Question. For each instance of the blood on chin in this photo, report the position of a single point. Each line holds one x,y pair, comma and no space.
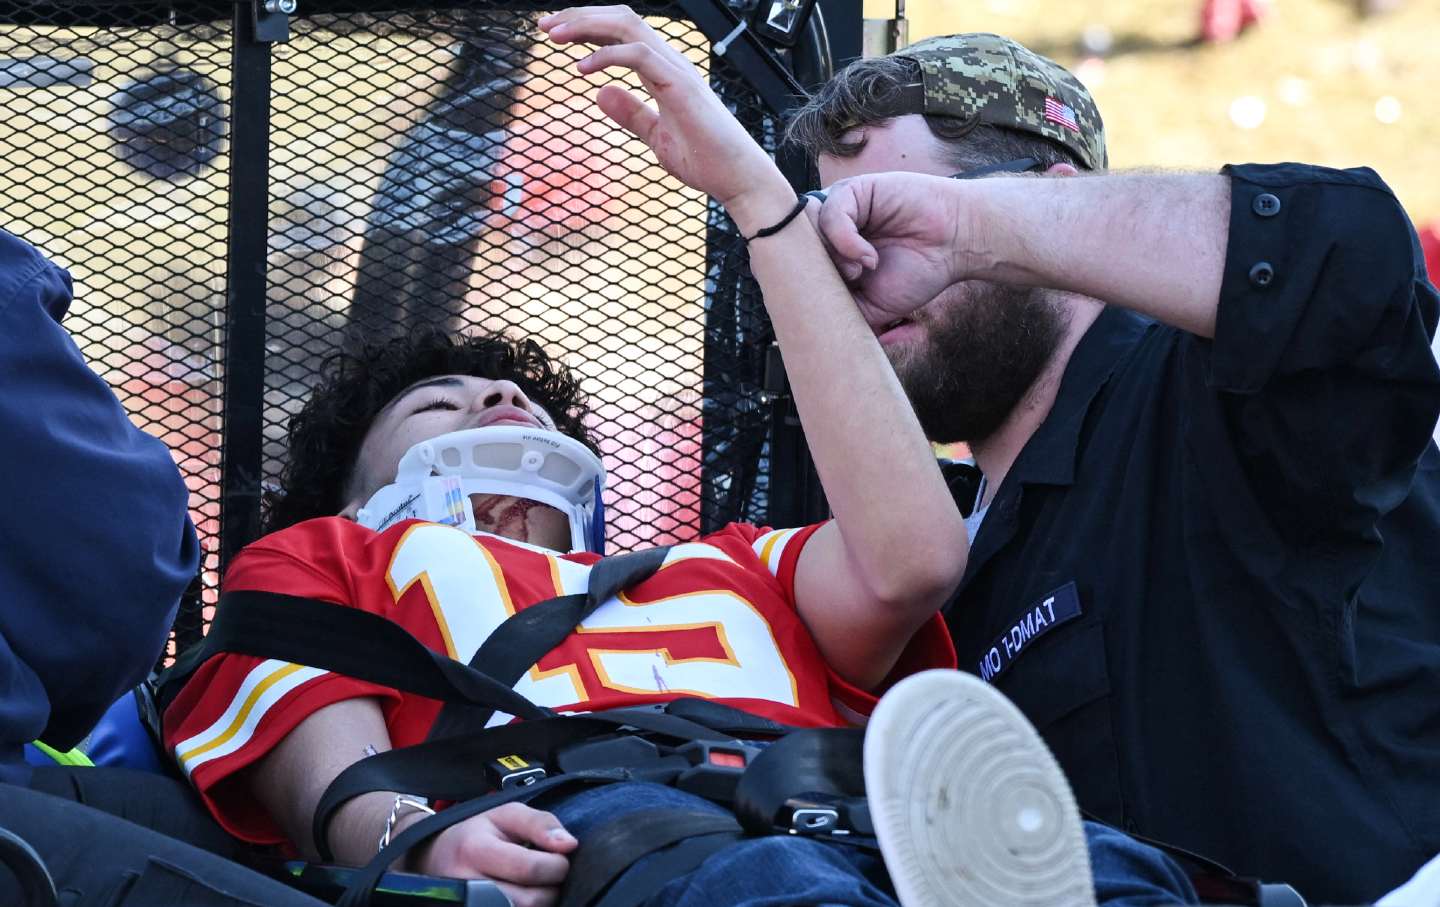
503,515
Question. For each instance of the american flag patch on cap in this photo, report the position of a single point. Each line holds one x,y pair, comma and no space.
1063,114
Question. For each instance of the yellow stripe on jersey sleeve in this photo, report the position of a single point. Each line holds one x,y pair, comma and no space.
264,686
770,548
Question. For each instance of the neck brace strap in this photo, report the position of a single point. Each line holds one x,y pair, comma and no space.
436,478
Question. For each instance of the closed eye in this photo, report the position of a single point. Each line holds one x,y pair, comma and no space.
437,403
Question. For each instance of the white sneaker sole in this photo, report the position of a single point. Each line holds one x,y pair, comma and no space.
970,807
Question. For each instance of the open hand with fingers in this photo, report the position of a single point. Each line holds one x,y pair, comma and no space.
693,136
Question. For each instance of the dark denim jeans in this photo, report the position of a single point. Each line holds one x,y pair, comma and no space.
785,870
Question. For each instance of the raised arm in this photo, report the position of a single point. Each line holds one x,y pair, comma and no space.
897,546
1305,283
96,545
1151,242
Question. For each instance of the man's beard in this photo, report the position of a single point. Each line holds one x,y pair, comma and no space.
978,357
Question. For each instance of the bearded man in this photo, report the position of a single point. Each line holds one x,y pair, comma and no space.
1202,549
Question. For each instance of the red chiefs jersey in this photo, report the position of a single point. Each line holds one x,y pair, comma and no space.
717,620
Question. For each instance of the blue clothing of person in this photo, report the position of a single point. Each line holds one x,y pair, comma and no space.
784,870
96,543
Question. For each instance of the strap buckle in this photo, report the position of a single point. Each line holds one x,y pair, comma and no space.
715,769
802,816
513,771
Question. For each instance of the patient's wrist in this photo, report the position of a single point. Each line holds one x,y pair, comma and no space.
762,206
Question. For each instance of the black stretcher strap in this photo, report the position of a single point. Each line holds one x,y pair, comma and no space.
368,647
634,889
827,762
446,769
727,718
362,888
616,846
819,761
362,885
531,633
345,641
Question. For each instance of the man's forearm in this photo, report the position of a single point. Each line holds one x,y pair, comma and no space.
1148,241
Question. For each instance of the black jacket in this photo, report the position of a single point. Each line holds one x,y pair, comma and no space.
1235,549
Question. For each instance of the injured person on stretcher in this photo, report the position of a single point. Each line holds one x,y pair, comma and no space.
445,487
968,805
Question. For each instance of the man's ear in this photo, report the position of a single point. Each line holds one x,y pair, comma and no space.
1062,170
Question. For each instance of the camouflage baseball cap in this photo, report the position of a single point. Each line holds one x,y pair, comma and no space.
990,79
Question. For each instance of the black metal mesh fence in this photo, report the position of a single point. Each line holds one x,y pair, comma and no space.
441,167
114,139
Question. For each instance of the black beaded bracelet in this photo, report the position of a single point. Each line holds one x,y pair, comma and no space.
800,204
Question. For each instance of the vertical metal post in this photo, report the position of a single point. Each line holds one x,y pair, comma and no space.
844,20
797,497
241,467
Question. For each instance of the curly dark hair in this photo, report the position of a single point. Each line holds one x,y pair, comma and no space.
323,439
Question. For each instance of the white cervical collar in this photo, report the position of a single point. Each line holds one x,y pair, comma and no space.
437,477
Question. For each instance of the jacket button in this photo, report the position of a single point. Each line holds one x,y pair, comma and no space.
1261,274
1265,205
